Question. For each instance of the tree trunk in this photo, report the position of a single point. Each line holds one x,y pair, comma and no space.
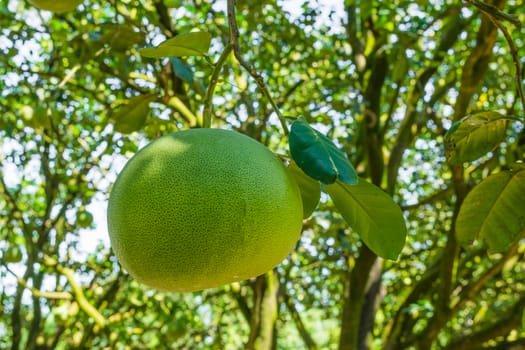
473,71
372,299
355,288
264,314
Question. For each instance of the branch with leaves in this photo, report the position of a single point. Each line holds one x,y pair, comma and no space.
309,342
81,299
38,293
208,103
234,41
496,16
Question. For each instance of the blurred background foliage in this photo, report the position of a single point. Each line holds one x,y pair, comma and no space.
384,80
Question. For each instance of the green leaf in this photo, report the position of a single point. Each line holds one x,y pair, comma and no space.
190,44
310,189
474,135
523,320
131,116
120,37
401,67
373,214
182,70
172,3
58,6
317,156
494,211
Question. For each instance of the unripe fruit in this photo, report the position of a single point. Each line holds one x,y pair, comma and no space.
201,208
84,218
13,254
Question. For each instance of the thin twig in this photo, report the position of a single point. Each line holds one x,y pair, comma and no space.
78,293
433,197
494,12
206,114
495,15
234,41
515,58
38,293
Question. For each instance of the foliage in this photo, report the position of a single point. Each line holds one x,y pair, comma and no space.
383,81
494,210
317,156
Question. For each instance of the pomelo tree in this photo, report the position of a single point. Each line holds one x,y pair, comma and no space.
401,123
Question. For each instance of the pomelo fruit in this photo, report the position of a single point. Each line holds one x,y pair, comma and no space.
200,208
13,254
84,219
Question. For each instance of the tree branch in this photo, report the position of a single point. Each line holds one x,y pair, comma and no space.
355,286
472,289
36,292
81,299
397,327
405,136
474,69
499,328
264,314
208,106
514,54
494,12
359,58
243,305
234,40
305,335
164,18
430,199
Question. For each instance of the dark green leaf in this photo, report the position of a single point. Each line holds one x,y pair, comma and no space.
474,135
190,44
310,189
494,211
373,215
317,155
182,70
131,116
401,67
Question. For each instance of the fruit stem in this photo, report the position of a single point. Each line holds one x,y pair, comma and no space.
207,112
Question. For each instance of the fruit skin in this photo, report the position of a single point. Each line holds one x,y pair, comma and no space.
201,208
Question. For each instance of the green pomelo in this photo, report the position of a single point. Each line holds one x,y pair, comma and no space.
201,208
13,254
84,218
